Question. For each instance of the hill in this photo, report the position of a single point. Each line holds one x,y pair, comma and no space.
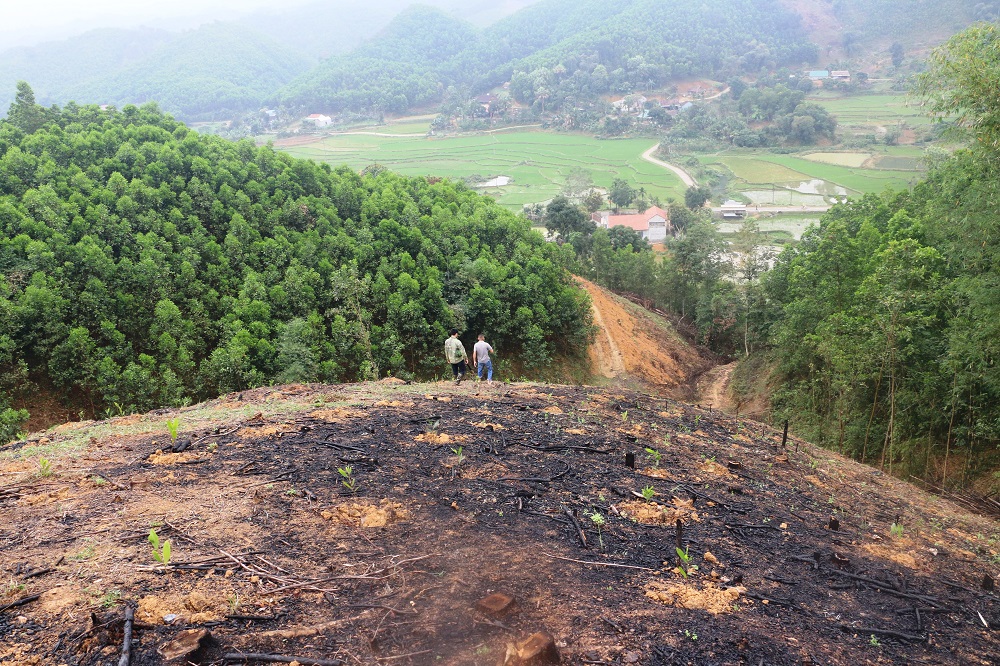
368,523
217,69
145,265
600,47
54,68
322,29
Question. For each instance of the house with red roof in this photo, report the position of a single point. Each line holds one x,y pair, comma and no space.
653,224
319,119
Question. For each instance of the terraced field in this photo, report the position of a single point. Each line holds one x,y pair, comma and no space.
537,162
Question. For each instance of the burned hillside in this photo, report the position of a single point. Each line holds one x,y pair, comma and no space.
433,524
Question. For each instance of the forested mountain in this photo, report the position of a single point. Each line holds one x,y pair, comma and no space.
561,50
209,72
143,264
322,29
56,67
215,70
867,22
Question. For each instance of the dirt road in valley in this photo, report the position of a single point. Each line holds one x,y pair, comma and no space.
681,173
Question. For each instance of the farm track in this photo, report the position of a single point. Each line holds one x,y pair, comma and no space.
685,177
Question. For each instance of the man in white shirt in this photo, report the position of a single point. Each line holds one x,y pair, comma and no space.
481,358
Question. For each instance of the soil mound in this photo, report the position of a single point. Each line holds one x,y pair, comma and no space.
324,523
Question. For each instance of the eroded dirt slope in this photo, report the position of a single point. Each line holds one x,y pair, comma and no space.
635,344
460,492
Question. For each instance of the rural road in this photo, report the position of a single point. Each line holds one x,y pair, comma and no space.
782,209
681,173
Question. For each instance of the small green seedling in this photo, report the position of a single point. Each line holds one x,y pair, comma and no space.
654,455
690,634
873,641
349,481
625,416
598,521
686,568
44,468
459,454
161,551
896,530
172,425
648,493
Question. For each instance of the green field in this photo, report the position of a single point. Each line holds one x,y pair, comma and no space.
861,111
769,178
538,162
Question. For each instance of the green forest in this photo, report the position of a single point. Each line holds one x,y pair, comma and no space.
555,54
878,335
144,265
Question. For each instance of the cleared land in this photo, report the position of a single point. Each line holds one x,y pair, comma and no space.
460,492
538,163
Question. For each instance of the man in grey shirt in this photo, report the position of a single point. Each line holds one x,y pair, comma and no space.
481,358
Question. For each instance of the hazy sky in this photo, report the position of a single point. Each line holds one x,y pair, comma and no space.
26,21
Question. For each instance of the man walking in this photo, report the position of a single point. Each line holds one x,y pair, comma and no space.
481,359
454,351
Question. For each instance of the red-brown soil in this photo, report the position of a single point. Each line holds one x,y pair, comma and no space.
273,554
638,345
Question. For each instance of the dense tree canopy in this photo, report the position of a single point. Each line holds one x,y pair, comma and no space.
143,264
557,53
883,321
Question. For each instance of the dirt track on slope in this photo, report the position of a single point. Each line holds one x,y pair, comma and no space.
633,343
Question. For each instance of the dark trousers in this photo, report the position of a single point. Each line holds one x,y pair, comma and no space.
458,368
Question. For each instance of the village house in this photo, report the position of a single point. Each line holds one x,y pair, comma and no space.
841,74
486,101
319,120
733,210
819,74
653,224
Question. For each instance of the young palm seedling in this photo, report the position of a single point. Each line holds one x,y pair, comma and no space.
654,455
686,568
459,454
349,481
161,551
598,521
172,425
648,493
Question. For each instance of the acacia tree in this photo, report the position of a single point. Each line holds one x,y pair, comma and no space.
961,83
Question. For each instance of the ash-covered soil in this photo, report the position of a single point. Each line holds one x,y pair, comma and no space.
457,493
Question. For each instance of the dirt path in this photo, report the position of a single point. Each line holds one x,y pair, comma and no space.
681,173
713,387
605,349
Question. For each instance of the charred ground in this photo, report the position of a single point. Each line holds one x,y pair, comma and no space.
465,491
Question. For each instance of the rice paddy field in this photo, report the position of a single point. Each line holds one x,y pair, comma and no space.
815,178
536,162
870,111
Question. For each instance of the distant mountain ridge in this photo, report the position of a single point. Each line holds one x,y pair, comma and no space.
393,56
